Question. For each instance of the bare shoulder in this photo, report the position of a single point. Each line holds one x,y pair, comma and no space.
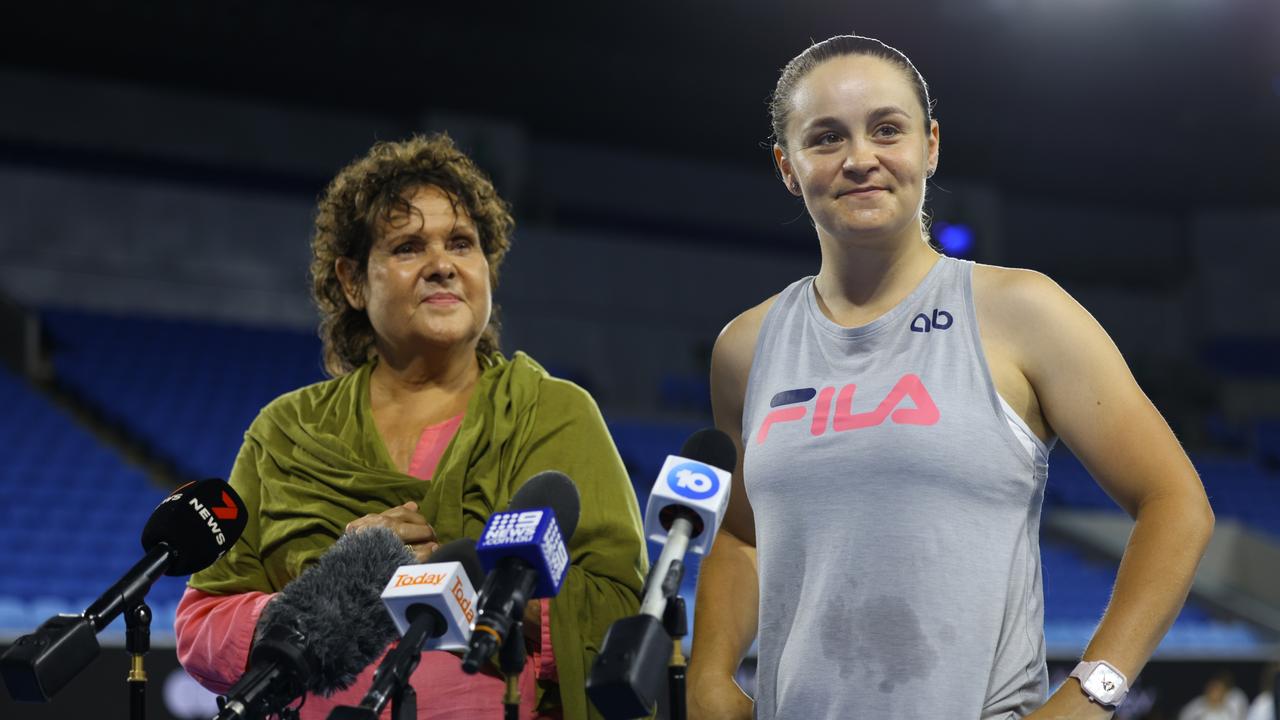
1013,287
735,347
1014,302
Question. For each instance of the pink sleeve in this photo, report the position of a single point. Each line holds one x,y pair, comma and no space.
214,633
544,657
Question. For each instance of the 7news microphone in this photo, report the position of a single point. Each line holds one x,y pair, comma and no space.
685,508
433,605
524,549
325,627
188,531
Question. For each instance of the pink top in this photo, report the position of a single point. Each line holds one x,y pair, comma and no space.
215,632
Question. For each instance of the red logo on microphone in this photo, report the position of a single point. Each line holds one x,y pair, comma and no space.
227,511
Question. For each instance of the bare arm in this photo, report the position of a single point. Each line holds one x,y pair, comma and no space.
1089,397
728,585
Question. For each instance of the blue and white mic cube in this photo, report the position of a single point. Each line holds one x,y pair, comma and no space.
699,487
443,586
532,535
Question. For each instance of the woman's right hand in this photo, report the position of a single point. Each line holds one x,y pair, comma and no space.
719,699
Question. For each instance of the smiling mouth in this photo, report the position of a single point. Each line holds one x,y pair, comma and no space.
442,299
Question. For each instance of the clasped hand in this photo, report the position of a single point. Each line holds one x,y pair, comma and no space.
408,525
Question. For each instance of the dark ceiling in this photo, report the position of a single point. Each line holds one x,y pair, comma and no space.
1167,103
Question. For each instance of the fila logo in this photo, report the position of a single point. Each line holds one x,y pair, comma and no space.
843,418
941,321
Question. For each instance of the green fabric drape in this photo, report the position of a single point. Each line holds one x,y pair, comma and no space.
313,461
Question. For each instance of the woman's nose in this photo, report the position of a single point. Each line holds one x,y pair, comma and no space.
861,158
439,263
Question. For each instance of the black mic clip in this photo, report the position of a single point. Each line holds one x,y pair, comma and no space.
278,668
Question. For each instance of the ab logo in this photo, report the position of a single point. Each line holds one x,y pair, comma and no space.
838,416
941,321
693,480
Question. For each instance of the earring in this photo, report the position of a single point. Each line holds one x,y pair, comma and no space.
795,186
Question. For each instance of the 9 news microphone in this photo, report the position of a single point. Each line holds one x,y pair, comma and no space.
684,512
188,531
524,549
322,629
433,606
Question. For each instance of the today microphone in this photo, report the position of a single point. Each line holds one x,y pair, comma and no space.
190,529
524,550
685,508
433,605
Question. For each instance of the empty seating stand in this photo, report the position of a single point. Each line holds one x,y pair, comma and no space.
71,517
186,389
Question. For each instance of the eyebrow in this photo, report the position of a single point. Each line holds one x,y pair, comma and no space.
461,223
875,115
887,110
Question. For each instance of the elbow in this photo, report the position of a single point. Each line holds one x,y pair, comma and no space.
1198,521
1188,514
1208,521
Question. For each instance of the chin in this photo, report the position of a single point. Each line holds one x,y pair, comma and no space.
864,233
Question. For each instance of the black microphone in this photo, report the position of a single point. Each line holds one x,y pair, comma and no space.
188,531
432,603
684,512
525,548
322,629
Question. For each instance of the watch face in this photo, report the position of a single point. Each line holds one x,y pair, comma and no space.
1104,684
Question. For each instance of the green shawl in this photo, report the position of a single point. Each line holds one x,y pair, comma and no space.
313,461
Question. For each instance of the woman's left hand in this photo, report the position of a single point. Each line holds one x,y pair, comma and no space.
407,523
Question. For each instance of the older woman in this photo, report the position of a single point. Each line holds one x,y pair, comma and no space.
425,429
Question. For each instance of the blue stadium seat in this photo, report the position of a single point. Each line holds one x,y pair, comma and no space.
187,389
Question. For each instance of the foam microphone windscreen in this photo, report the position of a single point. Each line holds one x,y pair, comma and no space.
198,522
713,447
336,604
555,490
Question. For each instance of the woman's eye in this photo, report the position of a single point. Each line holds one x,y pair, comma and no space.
887,131
403,248
462,242
827,138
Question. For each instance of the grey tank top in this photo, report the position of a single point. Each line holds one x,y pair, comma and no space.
897,515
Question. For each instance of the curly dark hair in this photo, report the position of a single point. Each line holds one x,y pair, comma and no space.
369,192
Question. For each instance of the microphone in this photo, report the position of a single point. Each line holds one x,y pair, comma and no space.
433,606
322,629
684,512
190,529
524,550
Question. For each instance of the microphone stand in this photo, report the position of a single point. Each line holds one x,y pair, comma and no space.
676,623
625,680
404,703
671,566
511,659
137,623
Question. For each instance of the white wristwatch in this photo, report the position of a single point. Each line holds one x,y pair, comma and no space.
1102,682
